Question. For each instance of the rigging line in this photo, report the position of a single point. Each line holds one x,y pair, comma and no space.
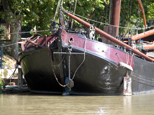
61,3
113,25
70,6
57,10
74,13
26,32
10,44
118,56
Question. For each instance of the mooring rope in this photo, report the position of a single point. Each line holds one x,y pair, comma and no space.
82,60
49,52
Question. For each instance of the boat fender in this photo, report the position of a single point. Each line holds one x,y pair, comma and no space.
122,64
127,87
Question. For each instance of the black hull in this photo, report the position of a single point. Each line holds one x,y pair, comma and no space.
96,76
37,69
99,78
94,72
142,76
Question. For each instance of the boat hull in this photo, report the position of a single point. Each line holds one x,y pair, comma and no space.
37,69
96,76
142,76
94,67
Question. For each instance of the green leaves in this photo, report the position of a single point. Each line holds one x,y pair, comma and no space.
40,13
151,11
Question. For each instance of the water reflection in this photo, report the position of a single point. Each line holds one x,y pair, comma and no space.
99,105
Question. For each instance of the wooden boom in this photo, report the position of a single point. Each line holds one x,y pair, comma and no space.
142,35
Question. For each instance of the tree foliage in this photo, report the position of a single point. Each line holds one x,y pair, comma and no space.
41,12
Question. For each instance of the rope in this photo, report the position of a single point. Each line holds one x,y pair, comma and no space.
127,58
118,56
49,52
27,32
113,25
54,72
140,47
10,44
82,60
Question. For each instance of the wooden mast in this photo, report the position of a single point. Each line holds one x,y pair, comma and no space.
114,19
116,15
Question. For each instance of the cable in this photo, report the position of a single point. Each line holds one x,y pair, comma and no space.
113,25
27,32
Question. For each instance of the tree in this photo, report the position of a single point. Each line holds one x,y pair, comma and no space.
28,12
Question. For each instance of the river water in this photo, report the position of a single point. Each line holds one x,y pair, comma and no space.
32,104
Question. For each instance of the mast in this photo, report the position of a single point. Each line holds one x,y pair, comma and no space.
116,14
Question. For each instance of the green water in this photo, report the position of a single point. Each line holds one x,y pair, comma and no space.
29,104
